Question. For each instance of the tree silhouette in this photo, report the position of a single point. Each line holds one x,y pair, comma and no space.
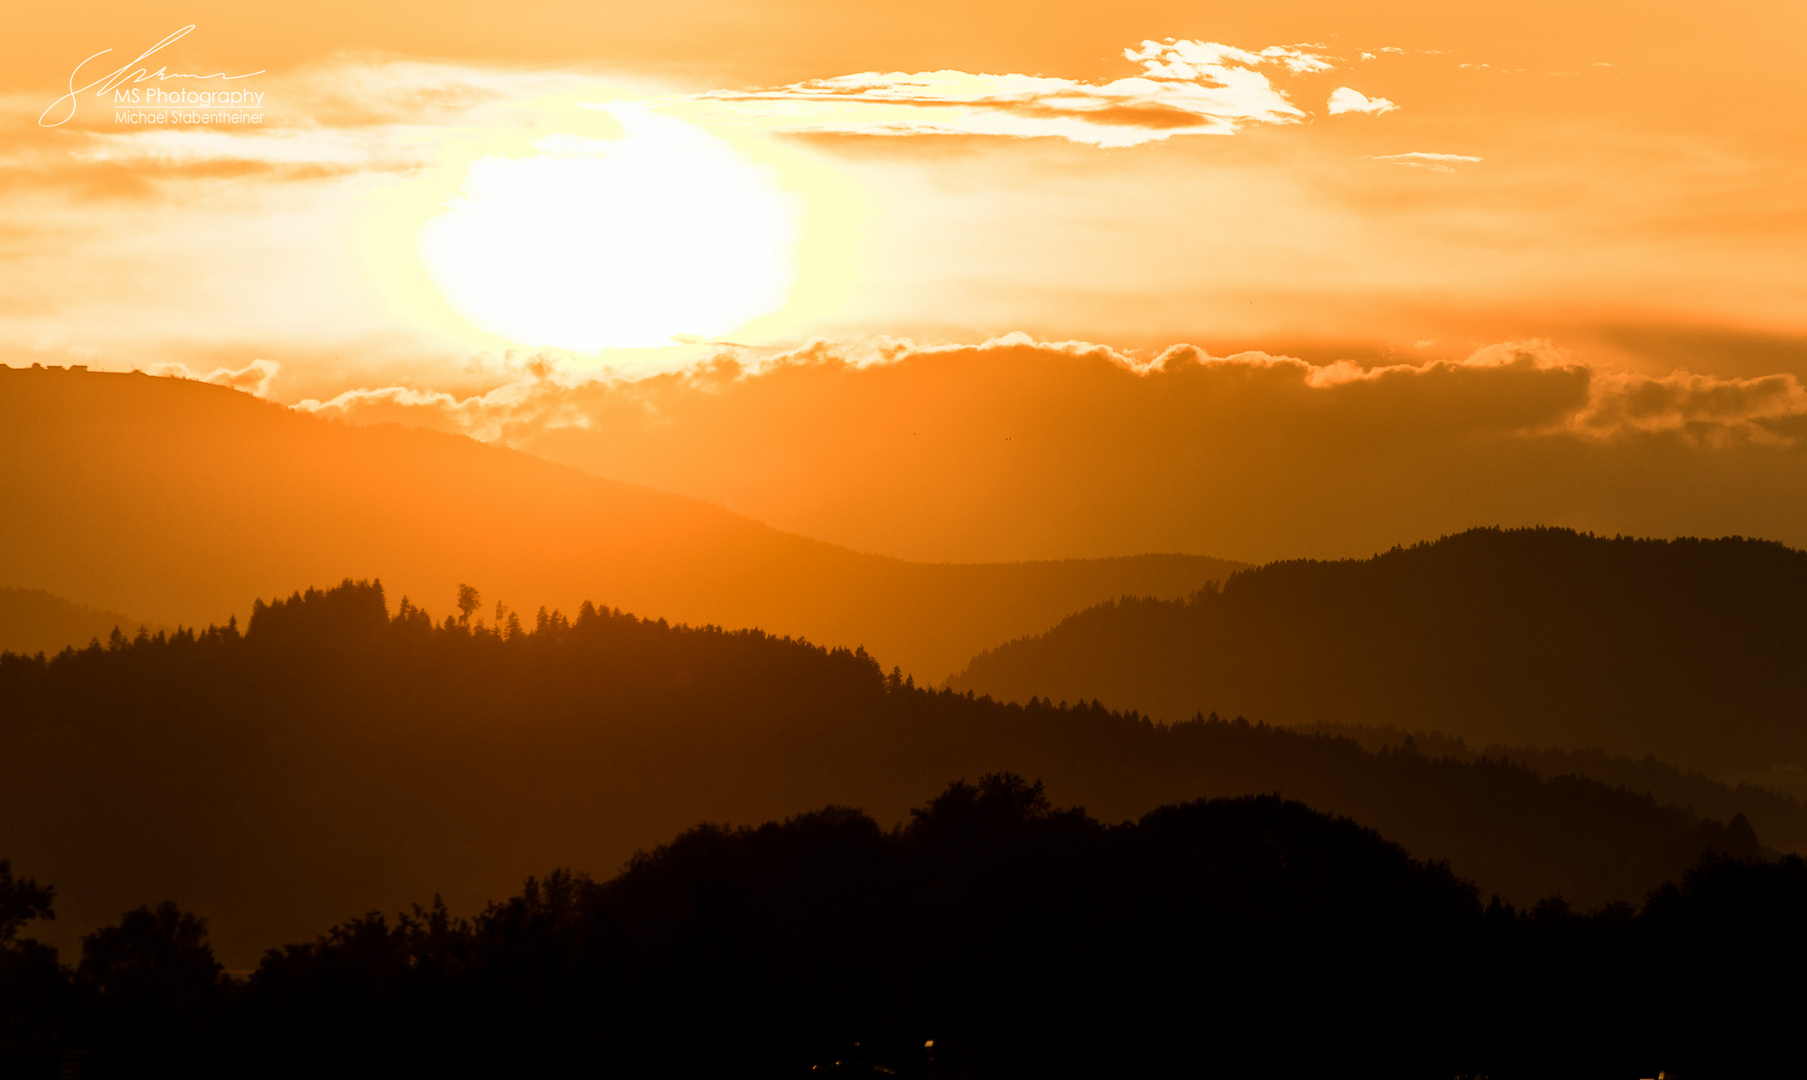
154,982
21,901
469,600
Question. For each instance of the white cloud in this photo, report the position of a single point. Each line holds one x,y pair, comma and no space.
1185,88
1418,159
254,378
1609,403
1345,100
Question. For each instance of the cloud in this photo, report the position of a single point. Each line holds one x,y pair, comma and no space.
346,116
355,115
535,402
249,233
1698,409
1420,160
254,378
1345,100
1595,401
1185,87
1019,448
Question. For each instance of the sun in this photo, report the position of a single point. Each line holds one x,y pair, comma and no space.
663,233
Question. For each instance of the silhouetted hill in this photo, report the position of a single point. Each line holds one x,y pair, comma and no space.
1692,650
179,499
32,620
991,936
333,759
1780,819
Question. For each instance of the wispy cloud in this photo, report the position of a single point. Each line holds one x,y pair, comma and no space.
253,378
343,117
1418,159
1185,87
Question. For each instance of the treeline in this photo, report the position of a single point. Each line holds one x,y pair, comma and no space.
332,758
1691,650
991,936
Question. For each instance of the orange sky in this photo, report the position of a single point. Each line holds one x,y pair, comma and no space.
438,194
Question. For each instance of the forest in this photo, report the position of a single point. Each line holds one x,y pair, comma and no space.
992,935
1686,649
334,757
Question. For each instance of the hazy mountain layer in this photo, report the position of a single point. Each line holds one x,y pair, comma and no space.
32,620
1779,818
331,760
1693,650
179,499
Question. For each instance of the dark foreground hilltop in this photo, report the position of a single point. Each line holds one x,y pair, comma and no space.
992,936
1692,650
334,758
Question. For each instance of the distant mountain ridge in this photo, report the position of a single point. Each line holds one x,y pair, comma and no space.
32,620
1779,818
1692,650
179,499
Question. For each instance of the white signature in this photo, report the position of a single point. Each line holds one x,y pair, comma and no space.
107,82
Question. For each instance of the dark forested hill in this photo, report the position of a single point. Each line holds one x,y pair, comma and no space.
179,500
989,936
1694,650
333,758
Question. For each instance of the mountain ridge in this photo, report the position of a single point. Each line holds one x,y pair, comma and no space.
177,499
33,620
1688,649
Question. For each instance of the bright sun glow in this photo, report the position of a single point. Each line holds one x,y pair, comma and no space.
595,244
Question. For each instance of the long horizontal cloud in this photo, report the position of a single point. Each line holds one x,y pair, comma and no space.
1418,159
1017,448
1185,87
1574,398
356,116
